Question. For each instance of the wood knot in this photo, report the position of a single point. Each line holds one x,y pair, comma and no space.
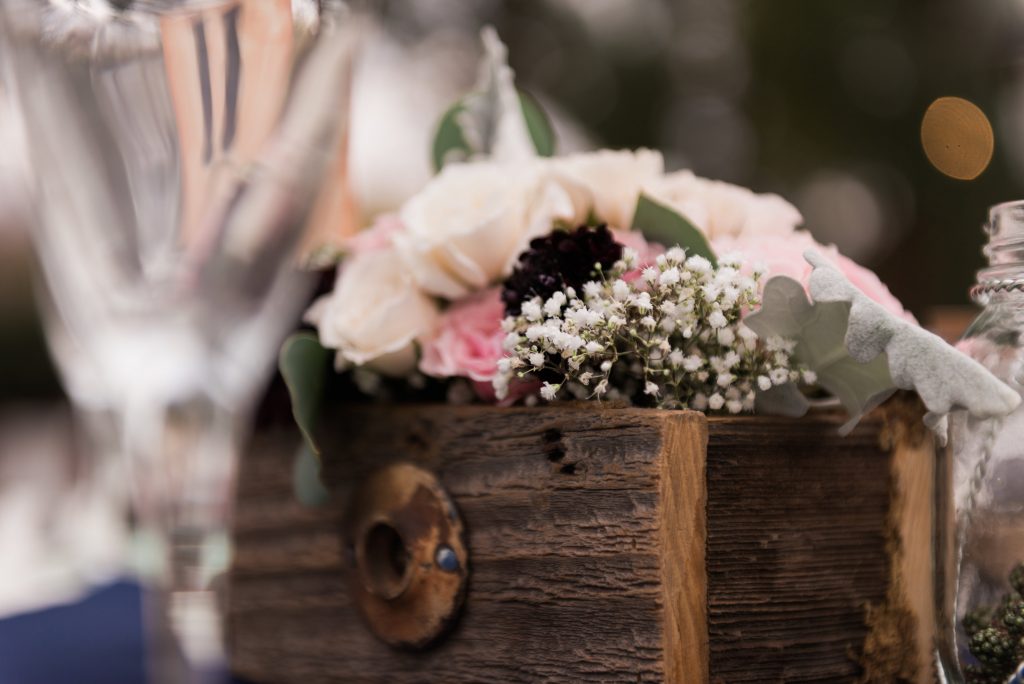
553,447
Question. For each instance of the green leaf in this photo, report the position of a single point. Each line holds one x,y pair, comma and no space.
661,224
309,488
822,346
452,144
819,331
538,124
449,141
304,365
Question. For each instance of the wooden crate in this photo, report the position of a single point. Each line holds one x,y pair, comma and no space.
609,545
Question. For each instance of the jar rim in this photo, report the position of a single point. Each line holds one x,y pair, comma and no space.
1004,250
1005,205
1003,215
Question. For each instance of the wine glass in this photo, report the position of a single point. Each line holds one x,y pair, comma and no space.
182,151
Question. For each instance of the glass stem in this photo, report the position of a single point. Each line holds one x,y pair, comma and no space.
183,460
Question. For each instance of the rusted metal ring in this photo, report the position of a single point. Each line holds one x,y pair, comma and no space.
406,556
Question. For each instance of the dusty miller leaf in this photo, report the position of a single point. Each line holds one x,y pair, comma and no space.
494,120
862,353
450,144
944,378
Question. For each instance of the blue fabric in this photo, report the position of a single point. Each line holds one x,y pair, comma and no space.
95,641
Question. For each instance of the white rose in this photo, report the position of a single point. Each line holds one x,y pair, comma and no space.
721,209
466,229
612,180
375,314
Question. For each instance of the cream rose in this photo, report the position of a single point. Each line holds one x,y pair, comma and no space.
375,314
724,210
466,228
611,179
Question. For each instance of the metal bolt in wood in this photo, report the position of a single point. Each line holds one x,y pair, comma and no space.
407,558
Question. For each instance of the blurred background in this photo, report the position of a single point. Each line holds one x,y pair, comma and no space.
891,125
823,103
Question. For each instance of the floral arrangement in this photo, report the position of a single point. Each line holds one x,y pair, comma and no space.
673,336
518,276
503,273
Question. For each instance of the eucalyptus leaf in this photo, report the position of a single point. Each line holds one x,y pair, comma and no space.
309,488
538,124
304,365
449,143
659,223
819,331
781,400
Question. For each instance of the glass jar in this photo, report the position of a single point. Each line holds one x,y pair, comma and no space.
980,512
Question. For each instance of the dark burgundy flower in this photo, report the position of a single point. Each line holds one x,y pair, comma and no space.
559,260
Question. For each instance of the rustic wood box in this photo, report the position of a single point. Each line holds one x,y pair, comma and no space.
608,545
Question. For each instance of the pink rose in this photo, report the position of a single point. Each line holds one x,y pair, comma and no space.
635,240
647,252
785,256
467,340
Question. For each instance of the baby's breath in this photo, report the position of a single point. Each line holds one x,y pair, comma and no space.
672,337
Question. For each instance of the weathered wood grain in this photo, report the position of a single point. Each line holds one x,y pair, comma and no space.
563,518
683,541
606,545
901,644
796,546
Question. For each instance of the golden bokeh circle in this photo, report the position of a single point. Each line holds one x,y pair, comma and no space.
957,138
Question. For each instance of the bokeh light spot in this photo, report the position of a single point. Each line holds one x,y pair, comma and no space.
957,138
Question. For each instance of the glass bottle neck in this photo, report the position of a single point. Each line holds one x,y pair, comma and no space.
1004,275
